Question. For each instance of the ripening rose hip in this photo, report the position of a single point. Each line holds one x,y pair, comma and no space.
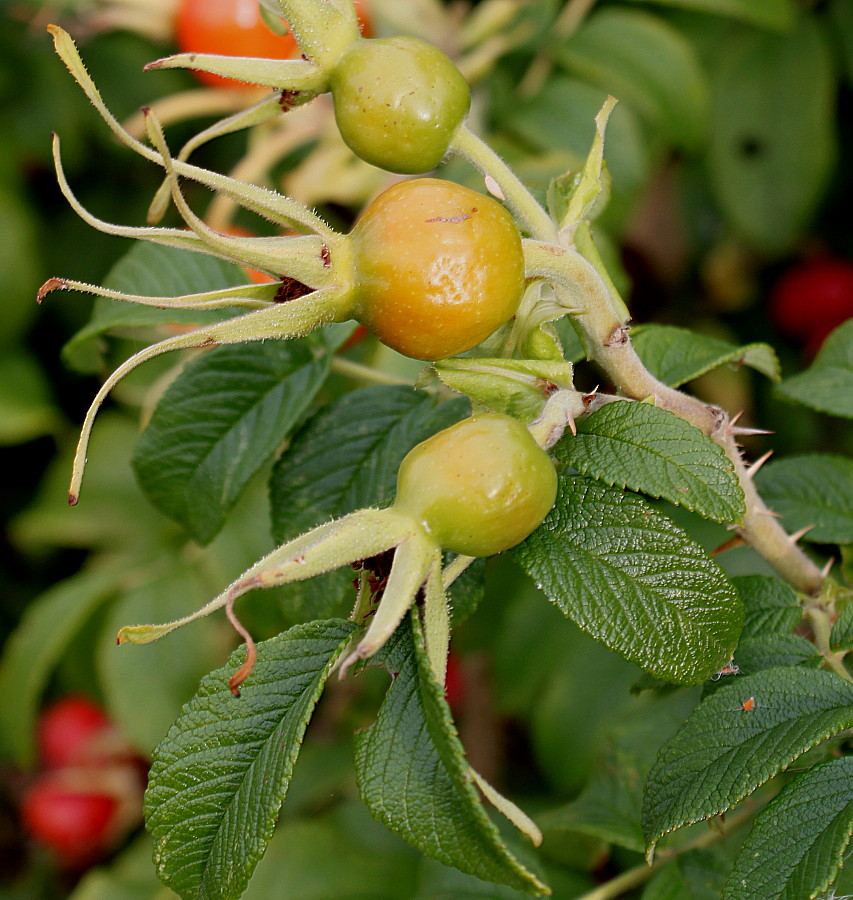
439,268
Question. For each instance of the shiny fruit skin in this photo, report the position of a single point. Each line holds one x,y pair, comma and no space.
439,268
398,102
69,731
479,487
812,298
75,825
234,28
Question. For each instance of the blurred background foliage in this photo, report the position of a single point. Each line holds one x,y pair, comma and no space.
730,154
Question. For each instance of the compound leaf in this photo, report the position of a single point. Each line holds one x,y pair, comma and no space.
724,750
813,489
797,844
220,775
219,423
414,778
653,451
675,355
629,576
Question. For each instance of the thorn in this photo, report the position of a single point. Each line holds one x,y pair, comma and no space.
752,470
769,512
793,538
588,398
730,544
52,284
570,419
72,499
824,572
747,432
734,418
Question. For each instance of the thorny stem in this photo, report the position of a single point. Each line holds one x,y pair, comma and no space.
531,215
610,346
632,878
819,619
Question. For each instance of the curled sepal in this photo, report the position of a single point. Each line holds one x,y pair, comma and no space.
360,535
305,259
269,204
516,387
295,318
244,296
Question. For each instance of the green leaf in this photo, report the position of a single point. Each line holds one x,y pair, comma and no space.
156,271
770,605
815,489
635,581
771,650
772,138
723,752
798,843
841,637
34,648
828,384
219,423
775,14
413,776
653,451
676,355
641,60
346,458
222,772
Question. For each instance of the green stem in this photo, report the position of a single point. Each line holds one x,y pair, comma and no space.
605,330
522,203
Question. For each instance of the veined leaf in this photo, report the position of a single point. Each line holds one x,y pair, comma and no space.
219,423
219,777
770,605
634,580
724,750
797,844
771,650
653,451
676,355
827,385
814,489
45,630
346,458
413,776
